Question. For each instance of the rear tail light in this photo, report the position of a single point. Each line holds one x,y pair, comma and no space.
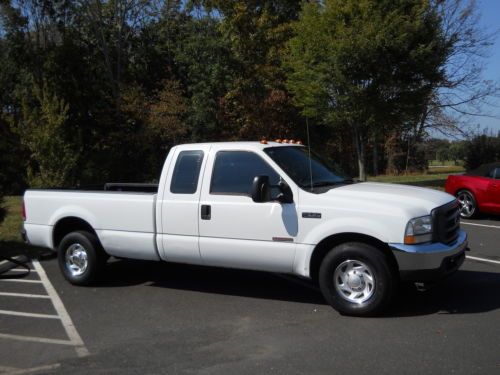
24,211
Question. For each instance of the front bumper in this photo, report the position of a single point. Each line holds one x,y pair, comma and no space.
429,262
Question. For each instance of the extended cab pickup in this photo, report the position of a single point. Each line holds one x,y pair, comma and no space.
259,206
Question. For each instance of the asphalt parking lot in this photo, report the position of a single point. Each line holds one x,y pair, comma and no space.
151,318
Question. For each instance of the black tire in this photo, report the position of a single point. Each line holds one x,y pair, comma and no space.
86,246
375,264
468,204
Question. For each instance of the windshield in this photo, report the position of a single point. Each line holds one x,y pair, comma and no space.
295,162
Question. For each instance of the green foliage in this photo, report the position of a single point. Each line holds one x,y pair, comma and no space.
482,149
96,91
53,156
364,65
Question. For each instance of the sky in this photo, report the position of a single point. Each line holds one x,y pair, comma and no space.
490,21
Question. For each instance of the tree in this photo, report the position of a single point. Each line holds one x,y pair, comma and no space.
167,114
257,102
53,156
460,93
364,65
482,149
203,63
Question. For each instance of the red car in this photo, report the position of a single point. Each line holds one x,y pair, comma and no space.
477,190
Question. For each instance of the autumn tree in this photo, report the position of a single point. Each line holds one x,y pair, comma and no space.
257,102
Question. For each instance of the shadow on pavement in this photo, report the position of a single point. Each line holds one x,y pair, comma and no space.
466,292
208,280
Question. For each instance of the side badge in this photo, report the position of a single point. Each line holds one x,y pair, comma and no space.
311,215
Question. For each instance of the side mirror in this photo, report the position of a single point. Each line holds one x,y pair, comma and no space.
261,190
286,195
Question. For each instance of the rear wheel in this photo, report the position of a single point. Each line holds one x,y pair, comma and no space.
468,205
356,279
81,257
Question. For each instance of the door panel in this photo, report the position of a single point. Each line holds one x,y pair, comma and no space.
241,233
179,234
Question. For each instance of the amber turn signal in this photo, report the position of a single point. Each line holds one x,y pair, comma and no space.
410,240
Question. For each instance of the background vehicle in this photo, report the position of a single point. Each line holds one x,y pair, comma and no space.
261,206
477,190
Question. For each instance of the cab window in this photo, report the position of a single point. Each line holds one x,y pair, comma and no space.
186,172
234,171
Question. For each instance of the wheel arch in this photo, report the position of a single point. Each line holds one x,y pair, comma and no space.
325,245
67,225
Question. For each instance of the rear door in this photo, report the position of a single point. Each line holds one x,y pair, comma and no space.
234,230
179,205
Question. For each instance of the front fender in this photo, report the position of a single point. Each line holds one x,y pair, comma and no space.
365,227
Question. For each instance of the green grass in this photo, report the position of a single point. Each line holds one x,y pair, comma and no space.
11,242
434,178
9,229
446,162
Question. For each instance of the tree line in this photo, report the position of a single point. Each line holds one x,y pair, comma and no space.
95,90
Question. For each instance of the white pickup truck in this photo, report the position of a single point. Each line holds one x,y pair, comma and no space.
266,206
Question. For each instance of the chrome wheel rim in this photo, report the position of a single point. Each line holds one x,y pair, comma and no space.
467,206
354,281
76,259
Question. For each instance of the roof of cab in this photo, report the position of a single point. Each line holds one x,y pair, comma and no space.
241,145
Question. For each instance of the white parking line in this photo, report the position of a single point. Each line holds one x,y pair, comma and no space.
25,295
67,323
29,315
22,281
33,369
480,225
36,339
483,259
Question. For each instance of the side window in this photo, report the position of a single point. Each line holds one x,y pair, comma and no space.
186,172
234,171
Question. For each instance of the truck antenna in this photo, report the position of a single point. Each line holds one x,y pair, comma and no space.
309,150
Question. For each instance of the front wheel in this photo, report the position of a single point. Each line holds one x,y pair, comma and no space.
81,257
356,279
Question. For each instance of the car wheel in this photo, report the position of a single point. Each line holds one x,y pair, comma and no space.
357,279
81,257
468,206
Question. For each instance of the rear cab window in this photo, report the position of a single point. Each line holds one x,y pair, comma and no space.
186,172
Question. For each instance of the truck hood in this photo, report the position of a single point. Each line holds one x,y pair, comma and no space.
411,198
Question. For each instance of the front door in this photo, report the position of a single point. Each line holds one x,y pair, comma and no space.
234,230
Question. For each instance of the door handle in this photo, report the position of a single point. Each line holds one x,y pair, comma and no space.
206,212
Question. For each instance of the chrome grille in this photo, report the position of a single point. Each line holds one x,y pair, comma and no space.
446,222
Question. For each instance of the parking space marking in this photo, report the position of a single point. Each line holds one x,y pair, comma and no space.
36,339
22,281
33,369
483,259
66,321
24,295
480,225
29,315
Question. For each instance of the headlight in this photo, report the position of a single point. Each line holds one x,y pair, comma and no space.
418,230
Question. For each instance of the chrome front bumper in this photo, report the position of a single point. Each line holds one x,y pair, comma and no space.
431,261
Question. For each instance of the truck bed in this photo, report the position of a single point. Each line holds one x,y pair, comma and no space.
123,221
